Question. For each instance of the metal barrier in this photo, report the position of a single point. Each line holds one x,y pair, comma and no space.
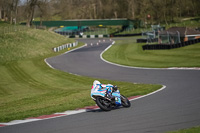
170,46
65,46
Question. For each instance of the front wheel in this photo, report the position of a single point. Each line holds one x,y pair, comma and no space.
103,103
125,102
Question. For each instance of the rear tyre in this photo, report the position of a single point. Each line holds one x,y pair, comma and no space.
125,102
103,103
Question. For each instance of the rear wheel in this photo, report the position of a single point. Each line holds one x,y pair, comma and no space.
125,102
103,103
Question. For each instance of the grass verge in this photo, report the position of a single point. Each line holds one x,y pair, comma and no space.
190,130
29,88
128,52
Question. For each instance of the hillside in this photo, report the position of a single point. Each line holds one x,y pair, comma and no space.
29,88
28,43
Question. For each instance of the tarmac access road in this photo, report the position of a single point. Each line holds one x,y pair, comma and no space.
175,107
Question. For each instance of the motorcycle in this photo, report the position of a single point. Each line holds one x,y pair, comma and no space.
108,96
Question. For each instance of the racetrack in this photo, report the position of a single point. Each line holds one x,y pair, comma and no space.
176,107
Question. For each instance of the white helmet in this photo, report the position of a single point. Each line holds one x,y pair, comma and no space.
96,82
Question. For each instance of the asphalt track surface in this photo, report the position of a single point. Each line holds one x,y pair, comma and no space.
175,107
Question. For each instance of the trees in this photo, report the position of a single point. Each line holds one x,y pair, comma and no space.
43,5
159,10
8,10
32,5
30,9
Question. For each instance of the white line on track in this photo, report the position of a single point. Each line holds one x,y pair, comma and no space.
150,93
45,60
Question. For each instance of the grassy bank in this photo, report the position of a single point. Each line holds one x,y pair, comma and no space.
130,53
191,130
29,88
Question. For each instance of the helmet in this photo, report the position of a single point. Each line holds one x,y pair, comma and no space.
96,82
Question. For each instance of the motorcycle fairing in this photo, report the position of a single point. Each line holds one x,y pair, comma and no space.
97,90
116,94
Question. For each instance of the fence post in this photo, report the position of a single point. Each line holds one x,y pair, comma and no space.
168,37
179,40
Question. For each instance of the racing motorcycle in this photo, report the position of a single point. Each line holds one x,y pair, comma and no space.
108,96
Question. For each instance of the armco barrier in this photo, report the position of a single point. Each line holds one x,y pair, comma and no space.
169,46
141,40
81,36
144,40
97,36
126,35
88,36
69,45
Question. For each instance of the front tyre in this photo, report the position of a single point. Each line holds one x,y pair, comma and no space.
125,102
103,103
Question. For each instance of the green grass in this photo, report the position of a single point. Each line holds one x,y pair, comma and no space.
130,53
134,31
29,88
190,130
2,24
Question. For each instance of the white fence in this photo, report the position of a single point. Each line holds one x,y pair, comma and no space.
65,46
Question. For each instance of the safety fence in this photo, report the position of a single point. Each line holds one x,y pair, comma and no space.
82,36
65,46
126,35
170,46
82,32
90,36
147,40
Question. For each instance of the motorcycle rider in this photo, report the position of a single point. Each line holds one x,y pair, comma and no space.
98,86
108,96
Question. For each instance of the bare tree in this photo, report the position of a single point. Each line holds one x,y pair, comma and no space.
30,8
1,10
13,11
43,5
9,10
131,9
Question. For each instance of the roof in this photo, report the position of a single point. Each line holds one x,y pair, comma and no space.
183,31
